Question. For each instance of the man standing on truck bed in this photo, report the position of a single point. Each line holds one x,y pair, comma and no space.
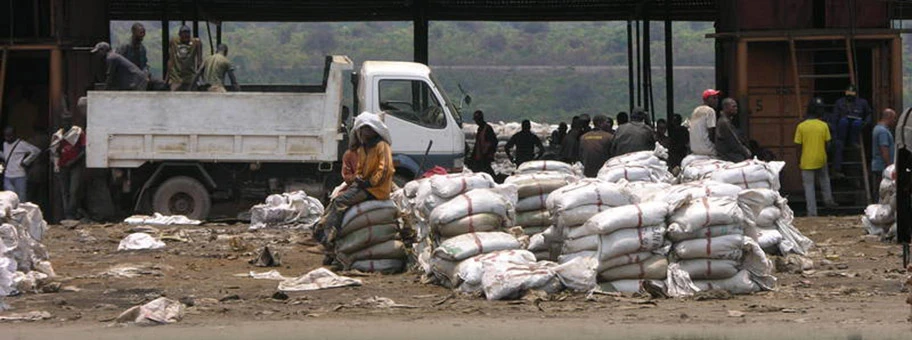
373,178
485,145
214,69
525,142
185,57
135,51
121,74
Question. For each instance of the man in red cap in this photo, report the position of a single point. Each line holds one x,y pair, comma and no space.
703,124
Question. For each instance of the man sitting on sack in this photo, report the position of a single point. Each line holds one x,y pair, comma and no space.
373,179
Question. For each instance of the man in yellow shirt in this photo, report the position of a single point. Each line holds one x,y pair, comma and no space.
373,179
813,135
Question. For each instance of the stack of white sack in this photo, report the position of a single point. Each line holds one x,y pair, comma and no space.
641,166
24,265
507,274
420,197
631,244
369,239
469,225
571,206
773,218
289,210
750,174
712,247
549,166
697,167
880,219
532,190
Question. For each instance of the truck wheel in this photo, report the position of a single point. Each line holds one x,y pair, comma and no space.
401,179
182,195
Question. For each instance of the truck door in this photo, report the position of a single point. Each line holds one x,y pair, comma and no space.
415,116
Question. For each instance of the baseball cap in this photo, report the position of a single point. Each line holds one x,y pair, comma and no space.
710,92
184,28
102,46
850,90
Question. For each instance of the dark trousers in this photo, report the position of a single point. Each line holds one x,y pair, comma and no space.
70,180
329,225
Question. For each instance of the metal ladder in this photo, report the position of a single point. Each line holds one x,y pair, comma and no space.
855,187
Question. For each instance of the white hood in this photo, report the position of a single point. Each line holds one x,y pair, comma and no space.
375,123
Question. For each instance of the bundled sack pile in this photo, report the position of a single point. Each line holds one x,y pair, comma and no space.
571,206
880,218
289,210
631,244
24,265
773,218
698,167
713,248
750,174
533,189
641,166
417,199
369,239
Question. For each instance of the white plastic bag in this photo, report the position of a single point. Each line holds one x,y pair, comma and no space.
139,241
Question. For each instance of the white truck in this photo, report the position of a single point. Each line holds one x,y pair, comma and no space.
178,152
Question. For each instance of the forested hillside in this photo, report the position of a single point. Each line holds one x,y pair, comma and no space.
543,71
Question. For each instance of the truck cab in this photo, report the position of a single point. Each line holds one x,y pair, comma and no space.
426,127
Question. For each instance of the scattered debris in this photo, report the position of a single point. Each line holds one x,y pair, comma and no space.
320,278
232,297
713,294
160,220
139,241
292,210
157,312
280,295
735,314
267,258
30,316
374,302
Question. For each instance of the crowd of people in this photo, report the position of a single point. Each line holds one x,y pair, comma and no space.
127,67
711,132
593,140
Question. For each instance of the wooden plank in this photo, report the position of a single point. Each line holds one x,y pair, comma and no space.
797,80
850,56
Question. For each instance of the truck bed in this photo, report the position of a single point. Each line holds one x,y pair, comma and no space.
127,129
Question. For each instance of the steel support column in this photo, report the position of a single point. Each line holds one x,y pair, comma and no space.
420,32
630,87
648,104
669,64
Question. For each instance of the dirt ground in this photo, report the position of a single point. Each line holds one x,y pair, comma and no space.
855,290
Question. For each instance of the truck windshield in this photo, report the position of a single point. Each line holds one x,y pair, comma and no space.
457,115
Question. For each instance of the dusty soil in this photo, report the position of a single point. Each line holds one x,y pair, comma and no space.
856,286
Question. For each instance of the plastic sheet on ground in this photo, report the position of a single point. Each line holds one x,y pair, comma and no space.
320,278
139,241
158,219
289,210
160,311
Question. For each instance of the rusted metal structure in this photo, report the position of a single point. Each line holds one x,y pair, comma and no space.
774,56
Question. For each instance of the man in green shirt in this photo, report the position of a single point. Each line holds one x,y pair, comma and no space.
185,57
214,69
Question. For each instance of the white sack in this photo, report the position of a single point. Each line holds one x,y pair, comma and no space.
631,240
386,266
500,201
545,165
708,269
707,211
727,247
585,243
530,203
652,268
677,233
694,190
533,218
467,245
471,224
294,209
588,192
880,214
447,186
623,217
741,283
635,173
578,215
750,174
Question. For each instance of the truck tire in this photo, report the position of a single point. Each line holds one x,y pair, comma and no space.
400,179
182,195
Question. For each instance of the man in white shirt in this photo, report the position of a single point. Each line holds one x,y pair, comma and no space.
17,156
703,125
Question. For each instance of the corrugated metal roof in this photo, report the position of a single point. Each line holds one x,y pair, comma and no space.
385,10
